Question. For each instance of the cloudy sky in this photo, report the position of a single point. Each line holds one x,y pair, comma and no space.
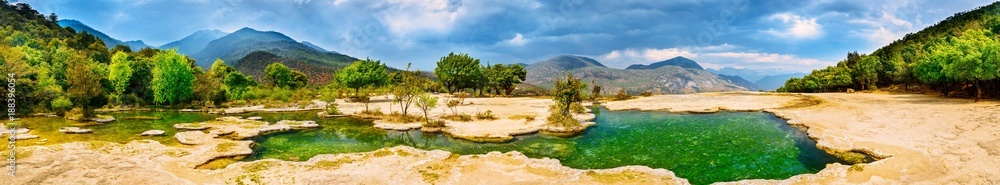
794,35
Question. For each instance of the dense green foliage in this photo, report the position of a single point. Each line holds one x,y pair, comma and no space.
363,74
279,75
172,78
958,53
458,71
502,79
119,74
568,92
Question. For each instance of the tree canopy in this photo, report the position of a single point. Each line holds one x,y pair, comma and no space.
458,71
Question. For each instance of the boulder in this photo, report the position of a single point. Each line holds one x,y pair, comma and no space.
299,124
75,130
190,126
103,119
153,133
255,118
193,137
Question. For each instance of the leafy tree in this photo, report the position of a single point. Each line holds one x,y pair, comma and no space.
118,74
595,92
502,78
362,74
866,71
426,103
172,78
974,56
458,71
277,75
84,85
237,84
567,91
406,90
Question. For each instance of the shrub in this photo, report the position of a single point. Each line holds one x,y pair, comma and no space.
458,117
577,108
622,95
558,119
373,112
332,108
488,115
11,125
398,117
646,93
61,104
523,116
434,123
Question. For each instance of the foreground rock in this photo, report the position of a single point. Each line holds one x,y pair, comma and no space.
20,134
75,130
239,129
153,133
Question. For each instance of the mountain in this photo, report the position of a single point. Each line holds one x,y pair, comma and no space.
676,61
749,74
235,46
664,79
740,81
195,42
311,45
567,62
770,83
255,62
109,41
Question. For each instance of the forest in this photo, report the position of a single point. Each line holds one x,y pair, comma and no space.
959,56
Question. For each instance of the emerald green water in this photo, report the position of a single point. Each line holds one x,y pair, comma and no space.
703,148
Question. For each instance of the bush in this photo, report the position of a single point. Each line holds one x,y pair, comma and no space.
523,116
61,104
457,117
397,117
577,108
622,95
558,119
11,125
332,108
372,112
488,115
646,94
433,123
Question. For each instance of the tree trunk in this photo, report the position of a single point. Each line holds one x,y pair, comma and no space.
979,90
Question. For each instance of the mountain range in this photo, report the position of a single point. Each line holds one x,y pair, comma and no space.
761,79
110,42
673,76
248,50
676,61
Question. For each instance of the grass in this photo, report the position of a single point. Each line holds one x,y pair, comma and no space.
457,117
612,177
224,147
488,115
434,123
334,164
526,117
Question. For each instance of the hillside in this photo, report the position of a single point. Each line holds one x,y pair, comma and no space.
254,64
956,56
195,42
740,82
109,41
770,83
676,61
665,79
235,46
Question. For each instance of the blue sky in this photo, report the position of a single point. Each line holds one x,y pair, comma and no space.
793,35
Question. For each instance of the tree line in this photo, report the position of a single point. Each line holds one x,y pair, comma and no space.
959,55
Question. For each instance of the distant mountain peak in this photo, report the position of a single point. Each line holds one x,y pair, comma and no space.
568,62
679,61
109,41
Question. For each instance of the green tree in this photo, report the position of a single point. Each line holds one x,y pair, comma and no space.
458,71
84,85
277,75
567,91
362,74
406,90
172,78
426,103
119,74
866,71
974,57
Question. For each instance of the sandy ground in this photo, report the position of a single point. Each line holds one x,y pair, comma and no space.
923,140
508,111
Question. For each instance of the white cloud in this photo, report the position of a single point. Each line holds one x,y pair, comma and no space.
882,29
404,17
796,26
518,40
